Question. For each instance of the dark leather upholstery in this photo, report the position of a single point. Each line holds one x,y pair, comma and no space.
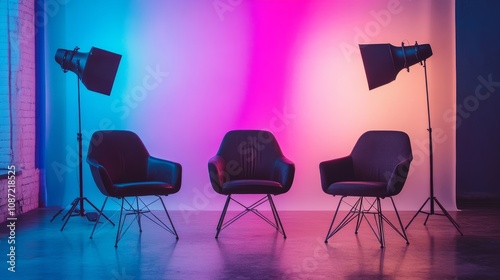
121,166
377,166
250,162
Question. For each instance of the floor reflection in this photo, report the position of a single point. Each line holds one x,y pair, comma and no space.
251,249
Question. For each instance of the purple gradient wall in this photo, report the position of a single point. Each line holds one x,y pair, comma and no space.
192,70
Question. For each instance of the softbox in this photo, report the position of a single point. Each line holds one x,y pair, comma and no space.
96,69
383,62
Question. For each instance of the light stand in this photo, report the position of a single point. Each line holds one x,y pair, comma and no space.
431,199
97,70
382,63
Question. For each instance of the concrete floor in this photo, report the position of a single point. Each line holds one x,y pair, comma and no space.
251,249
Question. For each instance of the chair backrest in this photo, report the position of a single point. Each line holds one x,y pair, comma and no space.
376,155
249,154
121,153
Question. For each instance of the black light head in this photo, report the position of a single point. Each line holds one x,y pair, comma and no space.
383,62
96,69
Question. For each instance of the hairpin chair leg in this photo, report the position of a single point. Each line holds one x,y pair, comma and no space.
138,213
169,219
279,225
120,224
99,217
223,214
354,212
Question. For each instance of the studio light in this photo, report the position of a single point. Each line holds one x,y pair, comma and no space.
96,70
382,63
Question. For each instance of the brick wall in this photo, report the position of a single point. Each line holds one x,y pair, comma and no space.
17,95
5,153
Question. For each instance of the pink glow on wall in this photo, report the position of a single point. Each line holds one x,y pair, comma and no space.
290,67
273,35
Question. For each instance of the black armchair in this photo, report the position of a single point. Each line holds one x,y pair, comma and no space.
376,168
250,162
122,168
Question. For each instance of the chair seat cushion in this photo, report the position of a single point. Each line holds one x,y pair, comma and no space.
143,189
358,188
252,187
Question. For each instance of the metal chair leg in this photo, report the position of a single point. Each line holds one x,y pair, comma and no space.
138,213
223,214
277,219
120,224
360,217
380,218
99,217
403,229
380,224
252,208
134,208
170,220
354,212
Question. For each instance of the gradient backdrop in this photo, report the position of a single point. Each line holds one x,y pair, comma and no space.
192,70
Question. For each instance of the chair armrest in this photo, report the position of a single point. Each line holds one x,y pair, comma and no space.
101,178
335,170
284,172
216,171
165,171
398,177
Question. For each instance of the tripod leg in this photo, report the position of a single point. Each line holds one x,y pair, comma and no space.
57,214
68,215
426,219
75,201
448,216
419,210
99,211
